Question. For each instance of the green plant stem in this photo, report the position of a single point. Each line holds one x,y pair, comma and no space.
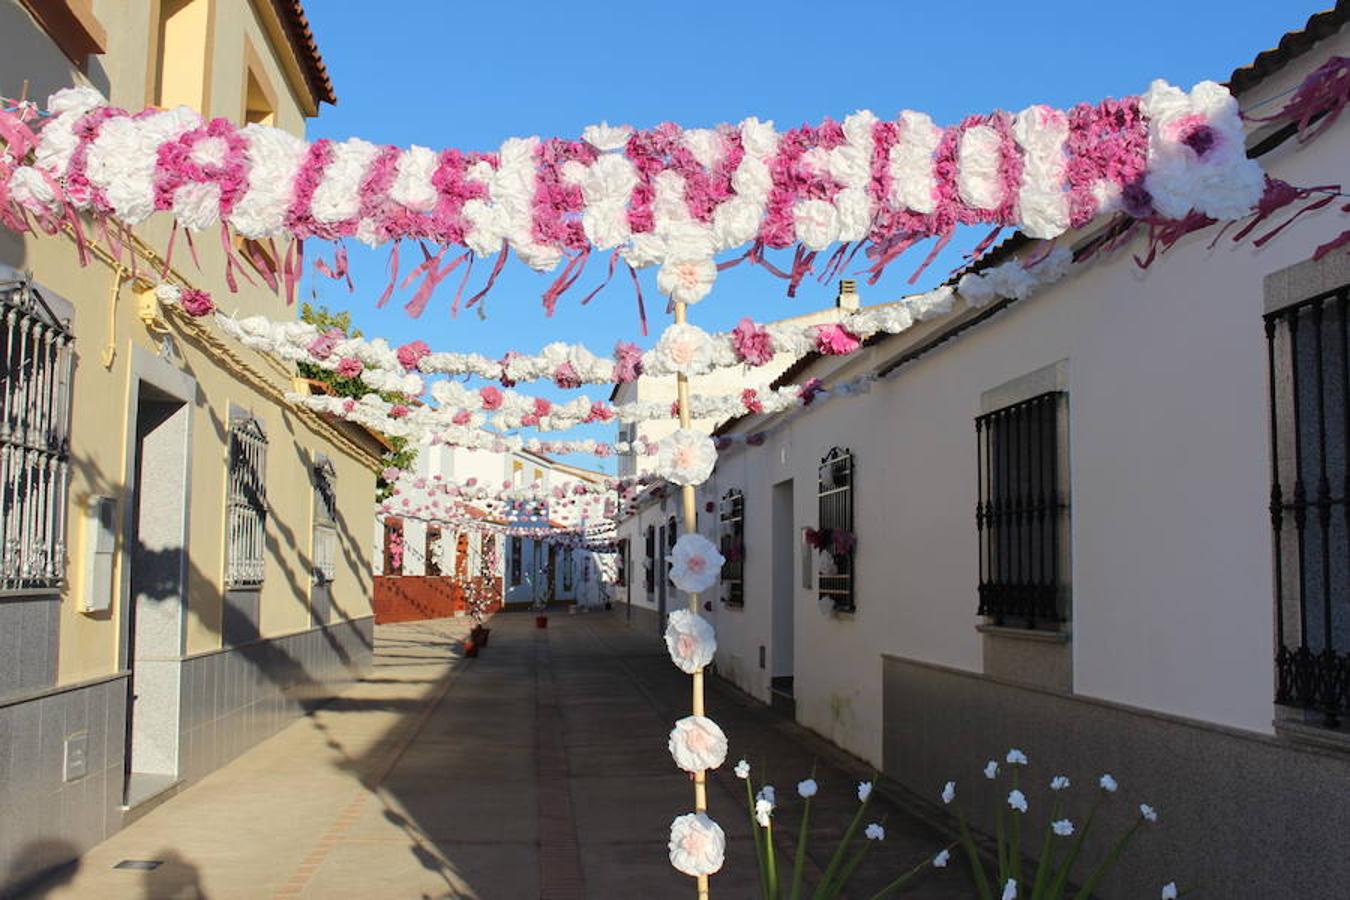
904,879
1044,864
759,842
1108,863
837,860
799,864
771,860
999,843
1015,844
846,872
1062,876
973,857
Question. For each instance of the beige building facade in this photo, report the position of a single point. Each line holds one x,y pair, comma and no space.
185,561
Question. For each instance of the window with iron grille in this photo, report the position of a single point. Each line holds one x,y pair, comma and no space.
515,561
621,573
489,555
672,533
35,390
1309,396
733,547
835,527
247,504
433,550
1022,515
393,547
567,569
324,538
649,563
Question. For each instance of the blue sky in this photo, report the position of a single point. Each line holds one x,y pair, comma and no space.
468,75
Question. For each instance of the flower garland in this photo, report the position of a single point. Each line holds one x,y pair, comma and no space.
663,196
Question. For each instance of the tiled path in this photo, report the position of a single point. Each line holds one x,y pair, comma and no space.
538,769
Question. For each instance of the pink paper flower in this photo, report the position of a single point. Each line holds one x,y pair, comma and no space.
409,355
491,397
566,377
750,399
809,391
462,417
627,362
835,340
349,367
752,343
600,412
398,411
322,346
542,407
196,303
348,405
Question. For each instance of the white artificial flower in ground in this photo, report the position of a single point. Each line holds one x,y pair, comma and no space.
766,792
742,770
949,792
875,832
697,844
684,348
1010,889
1149,813
1062,827
764,802
695,564
1016,757
686,280
1018,801
690,640
807,788
940,861
698,743
991,770
864,791
1108,784
1169,891
1059,783
686,457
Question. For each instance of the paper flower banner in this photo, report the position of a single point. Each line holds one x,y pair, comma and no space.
664,196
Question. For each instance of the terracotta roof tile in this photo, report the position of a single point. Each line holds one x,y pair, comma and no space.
292,15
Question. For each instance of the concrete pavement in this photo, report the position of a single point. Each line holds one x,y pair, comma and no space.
538,769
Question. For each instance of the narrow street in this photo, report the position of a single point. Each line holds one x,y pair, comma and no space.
538,769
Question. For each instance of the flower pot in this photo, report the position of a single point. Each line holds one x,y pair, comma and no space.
470,648
541,621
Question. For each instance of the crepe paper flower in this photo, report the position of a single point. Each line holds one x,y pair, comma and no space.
842,541
698,743
196,303
410,354
1108,784
1059,783
695,564
751,343
807,788
686,457
991,770
690,640
605,137
742,770
1169,891
684,348
875,832
835,340
322,346
1016,757
864,791
809,390
767,792
1010,890
1062,827
940,861
490,397
398,411
949,792
687,280
542,407
167,293
566,377
349,367
697,844
627,362
1149,813
391,473
1018,801
763,810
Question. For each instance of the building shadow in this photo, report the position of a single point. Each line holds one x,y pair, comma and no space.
44,865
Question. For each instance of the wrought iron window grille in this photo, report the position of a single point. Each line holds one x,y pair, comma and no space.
834,499
325,538
649,563
732,520
1309,398
247,539
1022,514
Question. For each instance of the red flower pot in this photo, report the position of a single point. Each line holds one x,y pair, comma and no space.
541,621
470,648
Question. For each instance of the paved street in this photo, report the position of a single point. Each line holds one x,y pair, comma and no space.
538,769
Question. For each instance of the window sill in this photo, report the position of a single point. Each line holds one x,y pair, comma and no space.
1041,635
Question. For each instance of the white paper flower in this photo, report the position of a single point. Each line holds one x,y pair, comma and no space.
695,564
697,844
864,791
940,861
605,136
167,293
1016,757
686,457
763,811
817,223
1062,827
767,793
698,743
1149,813
1059,783
690,640
807,788
686,280
1018,801
1169,891
1108,784
742,770
875,832
949,792
991,770
1010,890
686,349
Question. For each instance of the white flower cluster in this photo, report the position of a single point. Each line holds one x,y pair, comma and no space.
695,564
698,743
690,641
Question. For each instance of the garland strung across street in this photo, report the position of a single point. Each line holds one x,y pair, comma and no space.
664,196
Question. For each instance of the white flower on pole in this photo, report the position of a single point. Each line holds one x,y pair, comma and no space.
1108,784
690,640
1016,757
875,832
1149,813
940,861
695,564
686,457
864,791
1062,827
1018,801
991,770
685,349
697,844
686,280
698,743
807,788
742,770
949,792
1059,783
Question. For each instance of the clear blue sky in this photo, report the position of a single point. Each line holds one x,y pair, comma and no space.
468,75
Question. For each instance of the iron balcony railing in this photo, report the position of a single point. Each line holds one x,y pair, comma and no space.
834,500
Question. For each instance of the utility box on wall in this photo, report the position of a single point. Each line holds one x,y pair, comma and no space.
100,544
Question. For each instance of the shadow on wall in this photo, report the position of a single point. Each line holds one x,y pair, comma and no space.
49,863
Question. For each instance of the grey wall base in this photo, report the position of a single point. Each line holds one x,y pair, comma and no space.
1241,815
644,619
230,700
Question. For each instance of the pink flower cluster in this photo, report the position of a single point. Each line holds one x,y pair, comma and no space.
412,353
196,303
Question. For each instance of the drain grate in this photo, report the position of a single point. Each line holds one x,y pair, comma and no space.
144,865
